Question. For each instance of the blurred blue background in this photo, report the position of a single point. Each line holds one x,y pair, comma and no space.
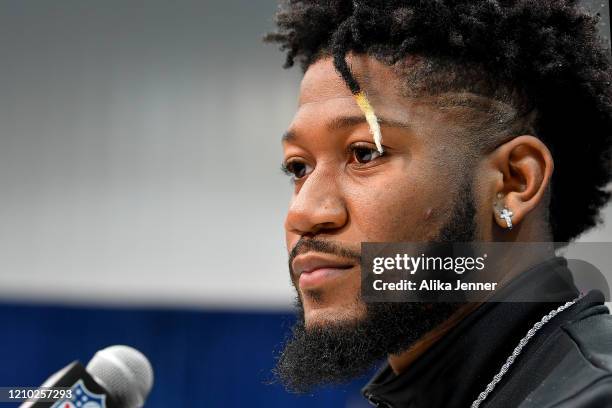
200,359
142,201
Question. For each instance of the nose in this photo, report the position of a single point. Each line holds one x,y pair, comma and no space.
317,206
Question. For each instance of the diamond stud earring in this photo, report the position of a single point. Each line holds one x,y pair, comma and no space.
506,215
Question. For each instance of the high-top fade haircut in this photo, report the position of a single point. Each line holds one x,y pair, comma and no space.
542,58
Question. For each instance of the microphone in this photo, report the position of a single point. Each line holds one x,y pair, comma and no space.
116,377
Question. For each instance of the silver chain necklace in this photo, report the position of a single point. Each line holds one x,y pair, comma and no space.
517,351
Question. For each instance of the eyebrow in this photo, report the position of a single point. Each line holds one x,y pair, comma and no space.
342,122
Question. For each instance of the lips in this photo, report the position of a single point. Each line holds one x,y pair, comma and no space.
315,269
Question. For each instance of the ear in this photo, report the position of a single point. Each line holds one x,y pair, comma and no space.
524,166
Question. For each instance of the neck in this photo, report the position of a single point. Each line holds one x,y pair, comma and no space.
400,362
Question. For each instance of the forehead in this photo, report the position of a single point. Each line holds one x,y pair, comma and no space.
402,93
324,96
322,82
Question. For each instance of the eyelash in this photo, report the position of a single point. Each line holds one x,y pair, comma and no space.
285,169
350,150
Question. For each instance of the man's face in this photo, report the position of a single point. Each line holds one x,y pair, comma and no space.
346,193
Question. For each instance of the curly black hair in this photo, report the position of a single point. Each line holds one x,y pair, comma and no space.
546,53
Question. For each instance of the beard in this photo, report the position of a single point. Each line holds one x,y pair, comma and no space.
336,353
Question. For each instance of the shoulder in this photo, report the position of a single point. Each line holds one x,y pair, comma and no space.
593,338
583,377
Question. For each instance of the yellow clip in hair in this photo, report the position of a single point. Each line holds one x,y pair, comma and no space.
371,118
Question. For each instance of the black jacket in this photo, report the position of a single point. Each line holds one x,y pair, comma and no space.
568,363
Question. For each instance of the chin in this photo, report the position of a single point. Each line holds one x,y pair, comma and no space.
329,315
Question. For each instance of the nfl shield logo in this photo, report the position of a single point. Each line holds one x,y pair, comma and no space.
82,398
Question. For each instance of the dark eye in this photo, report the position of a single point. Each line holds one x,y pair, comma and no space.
296,169
364,154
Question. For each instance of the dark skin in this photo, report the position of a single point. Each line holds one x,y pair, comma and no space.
346,193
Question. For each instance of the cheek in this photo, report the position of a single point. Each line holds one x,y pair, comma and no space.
400,206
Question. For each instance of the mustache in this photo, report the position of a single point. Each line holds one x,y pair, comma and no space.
305,245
